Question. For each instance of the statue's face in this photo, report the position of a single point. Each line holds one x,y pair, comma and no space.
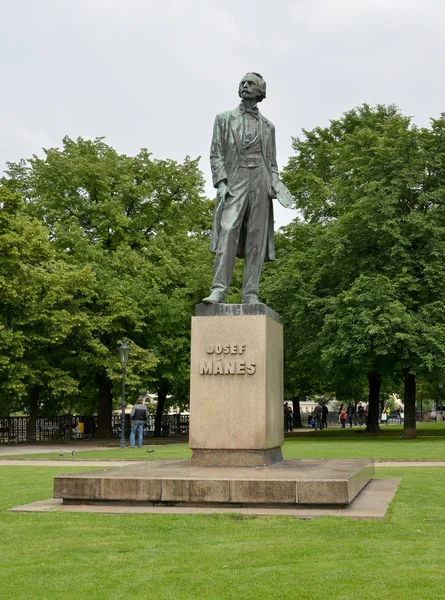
248,88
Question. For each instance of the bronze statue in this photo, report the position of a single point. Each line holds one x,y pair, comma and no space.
245,173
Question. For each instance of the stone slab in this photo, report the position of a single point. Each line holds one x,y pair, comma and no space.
294,481
371,503
235,310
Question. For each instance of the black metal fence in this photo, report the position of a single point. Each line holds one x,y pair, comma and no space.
13,430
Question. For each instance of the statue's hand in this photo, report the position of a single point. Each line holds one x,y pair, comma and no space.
222,191
222,188
275,180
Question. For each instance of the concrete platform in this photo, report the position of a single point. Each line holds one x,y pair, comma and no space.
371,503
170,482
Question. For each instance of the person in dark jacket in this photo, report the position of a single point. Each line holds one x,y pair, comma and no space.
324,415
138,416
351,413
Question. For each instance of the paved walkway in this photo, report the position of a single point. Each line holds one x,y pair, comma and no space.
46,462
40,449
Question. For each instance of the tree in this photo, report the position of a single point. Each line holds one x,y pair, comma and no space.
370,280
42,312
138,223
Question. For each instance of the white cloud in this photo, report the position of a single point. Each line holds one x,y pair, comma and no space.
17,140
153,73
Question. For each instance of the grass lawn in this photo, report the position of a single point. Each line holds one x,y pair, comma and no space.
330,443
56,556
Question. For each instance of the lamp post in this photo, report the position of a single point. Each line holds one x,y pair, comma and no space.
440,395
124,353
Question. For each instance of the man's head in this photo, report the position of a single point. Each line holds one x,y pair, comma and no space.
252,87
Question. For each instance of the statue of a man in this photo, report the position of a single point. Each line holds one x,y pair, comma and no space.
245,173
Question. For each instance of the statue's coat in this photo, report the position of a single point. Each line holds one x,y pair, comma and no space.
225,163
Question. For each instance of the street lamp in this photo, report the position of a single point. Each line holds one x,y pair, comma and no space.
124,353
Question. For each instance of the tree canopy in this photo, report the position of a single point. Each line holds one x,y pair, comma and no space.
365,265
139,226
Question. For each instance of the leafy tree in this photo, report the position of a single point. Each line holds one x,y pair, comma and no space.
139,224
373,277
43,300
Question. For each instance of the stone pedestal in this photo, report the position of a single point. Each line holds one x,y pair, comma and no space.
236,386
176,482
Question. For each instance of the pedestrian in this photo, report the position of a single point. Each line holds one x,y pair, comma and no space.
339,412
343,416
350,413
290,418
138,416
360,414
399,415
317,416
324,415
385,414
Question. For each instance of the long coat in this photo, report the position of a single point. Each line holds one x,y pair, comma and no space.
225,162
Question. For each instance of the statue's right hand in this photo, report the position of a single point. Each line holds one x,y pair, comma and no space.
223,188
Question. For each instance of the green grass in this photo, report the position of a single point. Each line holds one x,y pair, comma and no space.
330,443
73,556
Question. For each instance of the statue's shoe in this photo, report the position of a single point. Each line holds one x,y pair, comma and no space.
214,298
251,300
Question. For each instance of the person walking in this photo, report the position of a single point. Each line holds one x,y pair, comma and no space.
350,413
360,414
339,412
386,412
290,418
324,415
365,412
399,415
317,416
138,416
343,416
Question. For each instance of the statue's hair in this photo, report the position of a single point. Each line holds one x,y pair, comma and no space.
261,85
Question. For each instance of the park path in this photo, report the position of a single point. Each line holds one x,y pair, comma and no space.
33,449
46,462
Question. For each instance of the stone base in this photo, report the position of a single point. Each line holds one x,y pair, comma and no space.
236,382
176,482
236,458
372,503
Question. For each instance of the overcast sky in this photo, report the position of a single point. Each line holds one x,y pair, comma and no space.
154,73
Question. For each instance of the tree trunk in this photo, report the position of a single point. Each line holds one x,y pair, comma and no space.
374,382
296,411
105,406
162,397
34,408
409,400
